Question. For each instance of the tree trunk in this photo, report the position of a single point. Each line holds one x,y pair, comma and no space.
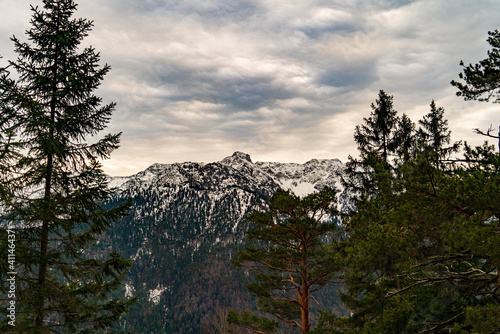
304,303
44,239
304,307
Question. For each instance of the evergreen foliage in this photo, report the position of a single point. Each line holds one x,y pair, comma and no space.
53,187
377,140
422,253
404,139
377,136
423,257
482,80
290,258
433,135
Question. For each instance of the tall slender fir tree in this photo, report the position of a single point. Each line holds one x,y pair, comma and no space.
404,141
434,135
376,136
54,188
377,140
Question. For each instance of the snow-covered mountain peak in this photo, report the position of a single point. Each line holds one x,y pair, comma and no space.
324,162
237,158
235,172
156,168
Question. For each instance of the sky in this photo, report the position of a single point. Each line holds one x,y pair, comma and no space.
281,80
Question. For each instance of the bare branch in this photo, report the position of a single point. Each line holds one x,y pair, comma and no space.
488,132
444,323
419,282
316,301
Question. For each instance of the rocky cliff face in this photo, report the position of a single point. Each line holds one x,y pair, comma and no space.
187,221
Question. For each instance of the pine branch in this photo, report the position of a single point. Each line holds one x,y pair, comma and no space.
442,324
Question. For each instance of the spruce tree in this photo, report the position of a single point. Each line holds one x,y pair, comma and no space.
404,139
376,140
293,256
376,136
7,127
422,255
434,135
55,188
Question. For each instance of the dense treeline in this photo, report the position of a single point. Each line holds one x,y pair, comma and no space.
420,251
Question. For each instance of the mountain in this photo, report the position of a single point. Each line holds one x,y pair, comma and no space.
187,221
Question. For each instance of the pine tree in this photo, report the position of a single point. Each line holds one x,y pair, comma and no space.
482,80
55,188
290,257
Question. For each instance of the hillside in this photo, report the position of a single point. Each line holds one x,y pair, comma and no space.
187,221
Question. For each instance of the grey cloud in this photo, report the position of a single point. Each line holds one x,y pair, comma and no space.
233,10
196,79
354,76
223,10
316,32
241,92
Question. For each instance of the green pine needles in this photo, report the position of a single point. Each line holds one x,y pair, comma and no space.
422,249
293,257
52,184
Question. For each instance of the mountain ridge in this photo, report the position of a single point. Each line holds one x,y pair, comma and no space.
280,172
187,221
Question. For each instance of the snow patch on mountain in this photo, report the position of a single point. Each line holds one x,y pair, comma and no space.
129,290
236,170
188,219
300,189
215,180
155,294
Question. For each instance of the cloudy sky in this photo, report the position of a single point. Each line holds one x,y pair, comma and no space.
282,80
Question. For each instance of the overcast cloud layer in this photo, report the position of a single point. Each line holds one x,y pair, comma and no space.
281,80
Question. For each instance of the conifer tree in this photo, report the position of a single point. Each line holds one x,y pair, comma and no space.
376,136
482,80
55,188
422,256
434,134
7,126
290,258
376,140
404,139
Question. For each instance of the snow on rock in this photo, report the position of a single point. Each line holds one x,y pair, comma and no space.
237,158
209,201
235,171
154,294
129,290
300,189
